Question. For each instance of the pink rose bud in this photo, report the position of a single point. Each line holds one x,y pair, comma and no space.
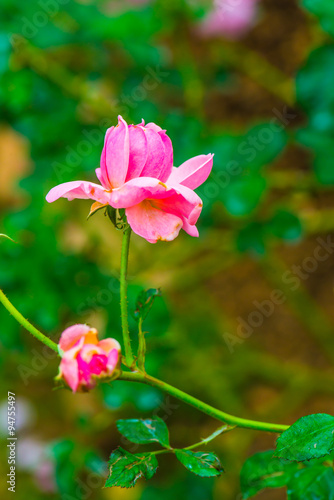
137,174
85,359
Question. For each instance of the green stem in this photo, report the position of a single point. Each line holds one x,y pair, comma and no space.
231,420
200,405
142,346
124,301
218,432
25,323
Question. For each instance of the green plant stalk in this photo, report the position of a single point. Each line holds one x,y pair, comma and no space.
200,405
222,430
154,382
142,346
123,292
25,323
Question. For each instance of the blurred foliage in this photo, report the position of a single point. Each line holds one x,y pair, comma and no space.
67,70
262,470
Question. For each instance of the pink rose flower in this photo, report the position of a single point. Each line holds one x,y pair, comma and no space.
85,359
137,174
229,18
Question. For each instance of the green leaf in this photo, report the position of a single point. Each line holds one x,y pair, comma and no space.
321,145
244,194
5,50
251,238
145,301
189,487
67,466
144,431
285,225
324,9
314,83
125,468
261,471
96,207
260,146
202,464
310,437
323,166
312,483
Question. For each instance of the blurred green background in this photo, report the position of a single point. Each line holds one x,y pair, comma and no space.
263,102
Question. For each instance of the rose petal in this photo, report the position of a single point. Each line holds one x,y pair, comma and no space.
79,190
192,173
138,152
104,181
184,203
112,360
102,175
98,364
69,372
73,334
89,350
155,155
153,224
109,344
167,166
137,190
115,154
151,126
190,229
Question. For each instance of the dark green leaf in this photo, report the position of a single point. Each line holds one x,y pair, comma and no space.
261,471
285,225
125,468
260,146
312,483
5,49
66,466
323,166
187,487
243,195
145,301
310,437
321,145
324,9
314,84
144,431
202,464
251,239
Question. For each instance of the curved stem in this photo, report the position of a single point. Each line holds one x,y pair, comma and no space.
144,378
25,323
124,301
200,405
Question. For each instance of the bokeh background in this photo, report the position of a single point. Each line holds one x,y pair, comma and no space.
251,81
